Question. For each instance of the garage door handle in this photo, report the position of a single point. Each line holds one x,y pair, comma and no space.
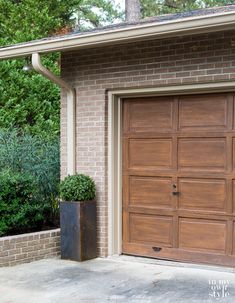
175,193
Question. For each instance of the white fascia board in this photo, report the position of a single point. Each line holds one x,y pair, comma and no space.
195,25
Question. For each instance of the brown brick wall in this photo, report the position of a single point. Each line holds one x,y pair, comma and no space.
182,60
29,247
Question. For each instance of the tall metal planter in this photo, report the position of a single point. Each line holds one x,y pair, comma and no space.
78,230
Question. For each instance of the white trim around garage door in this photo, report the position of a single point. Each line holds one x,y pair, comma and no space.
115,146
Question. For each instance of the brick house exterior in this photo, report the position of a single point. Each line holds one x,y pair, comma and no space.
194,137
182,60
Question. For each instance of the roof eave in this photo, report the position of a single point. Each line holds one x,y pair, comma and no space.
195,25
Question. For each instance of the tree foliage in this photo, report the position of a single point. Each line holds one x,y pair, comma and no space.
29,101
25,20
156,7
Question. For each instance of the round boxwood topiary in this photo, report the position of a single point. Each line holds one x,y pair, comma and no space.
78,187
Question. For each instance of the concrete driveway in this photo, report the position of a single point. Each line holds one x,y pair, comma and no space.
122,279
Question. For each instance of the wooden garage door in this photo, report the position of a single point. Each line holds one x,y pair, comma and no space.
179,178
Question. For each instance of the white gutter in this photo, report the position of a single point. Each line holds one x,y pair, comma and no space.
143,31
71,108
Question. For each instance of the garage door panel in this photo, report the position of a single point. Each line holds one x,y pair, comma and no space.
150,153
233,238
233,154
233,195
151,115
202,194
151,229
202,154
199,234
203,113
150,192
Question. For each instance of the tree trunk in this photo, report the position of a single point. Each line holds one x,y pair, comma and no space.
132,10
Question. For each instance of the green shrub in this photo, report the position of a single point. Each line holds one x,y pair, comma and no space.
29,154
78,187
19,211
26,157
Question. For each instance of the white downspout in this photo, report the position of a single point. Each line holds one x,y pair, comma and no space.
71,109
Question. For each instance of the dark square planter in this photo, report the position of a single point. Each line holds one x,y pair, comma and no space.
78,230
